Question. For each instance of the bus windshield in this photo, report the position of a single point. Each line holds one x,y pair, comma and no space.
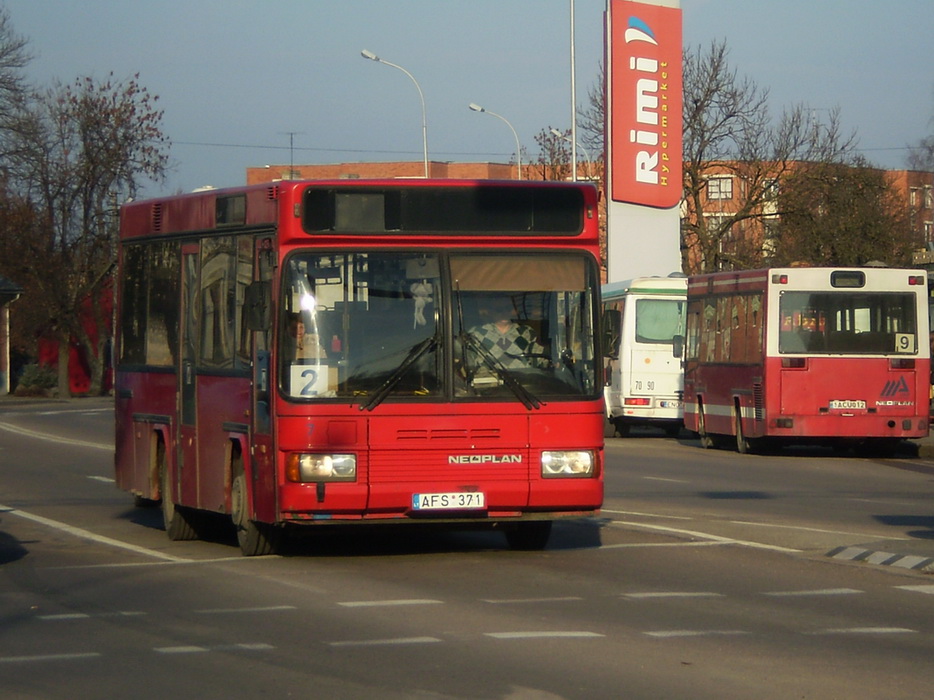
371,326
658,321
874,323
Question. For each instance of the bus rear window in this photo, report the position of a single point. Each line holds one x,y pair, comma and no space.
847,323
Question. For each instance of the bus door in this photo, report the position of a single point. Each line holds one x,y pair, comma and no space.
186,475
260,311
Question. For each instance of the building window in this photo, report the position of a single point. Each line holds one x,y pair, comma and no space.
928,197
720,188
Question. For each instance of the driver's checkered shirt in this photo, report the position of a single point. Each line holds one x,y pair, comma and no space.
515,349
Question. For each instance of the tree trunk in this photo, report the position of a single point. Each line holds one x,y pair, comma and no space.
64,355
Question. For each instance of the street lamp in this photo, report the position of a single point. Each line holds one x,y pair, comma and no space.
373,57
586,155
477,108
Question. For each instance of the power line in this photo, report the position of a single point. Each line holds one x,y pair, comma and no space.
208,144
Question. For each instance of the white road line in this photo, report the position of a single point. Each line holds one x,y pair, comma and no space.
670,481
88,535
865,630
105,479
48,657
817,592
555,634
814,529
225,611
520,601
55,438
641,545
644,515
707,536
386,603
85,616
672,634
385,642
929,589
192,649
672,594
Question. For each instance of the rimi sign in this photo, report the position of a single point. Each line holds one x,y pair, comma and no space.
645,115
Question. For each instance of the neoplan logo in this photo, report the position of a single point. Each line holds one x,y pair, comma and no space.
893,388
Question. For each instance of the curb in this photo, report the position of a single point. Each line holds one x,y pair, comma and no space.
869,556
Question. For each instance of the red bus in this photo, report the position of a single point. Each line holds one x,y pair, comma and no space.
808,355
324,352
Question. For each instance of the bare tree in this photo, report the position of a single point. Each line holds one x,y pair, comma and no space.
14,56
554,156
75,153
728,131
921,156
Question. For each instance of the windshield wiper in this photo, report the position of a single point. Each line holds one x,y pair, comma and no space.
528,399
414,354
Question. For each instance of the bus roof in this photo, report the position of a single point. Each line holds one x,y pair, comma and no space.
675,284
259,205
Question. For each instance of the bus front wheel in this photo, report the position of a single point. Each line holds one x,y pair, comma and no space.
255,539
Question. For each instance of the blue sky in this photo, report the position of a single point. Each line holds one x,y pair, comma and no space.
235,77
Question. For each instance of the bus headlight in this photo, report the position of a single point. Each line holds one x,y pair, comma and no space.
570,463
304,467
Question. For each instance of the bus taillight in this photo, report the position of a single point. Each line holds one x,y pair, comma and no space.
901,363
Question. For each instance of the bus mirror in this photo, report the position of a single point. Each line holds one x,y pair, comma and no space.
677,345
256,306
611,334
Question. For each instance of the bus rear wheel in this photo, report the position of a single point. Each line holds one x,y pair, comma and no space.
176,519
255,539
530,536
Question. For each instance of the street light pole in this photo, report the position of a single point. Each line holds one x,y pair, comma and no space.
373,57
573,100
561,136
477,108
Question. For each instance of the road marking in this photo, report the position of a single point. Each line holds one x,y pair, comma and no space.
513,601
670,481
639,545
192,649
556,634
385,642
387,603
671,634
105,479
815,529
672,594
48,657
224,611
644,515
55,438
865,630
88,535
929,589
818,592
707,536
85,616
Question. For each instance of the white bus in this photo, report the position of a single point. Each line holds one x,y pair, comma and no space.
643,379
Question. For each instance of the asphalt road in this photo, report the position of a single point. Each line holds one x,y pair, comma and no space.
708,575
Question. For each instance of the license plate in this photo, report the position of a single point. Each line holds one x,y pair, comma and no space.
448,501
669,404
847,404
